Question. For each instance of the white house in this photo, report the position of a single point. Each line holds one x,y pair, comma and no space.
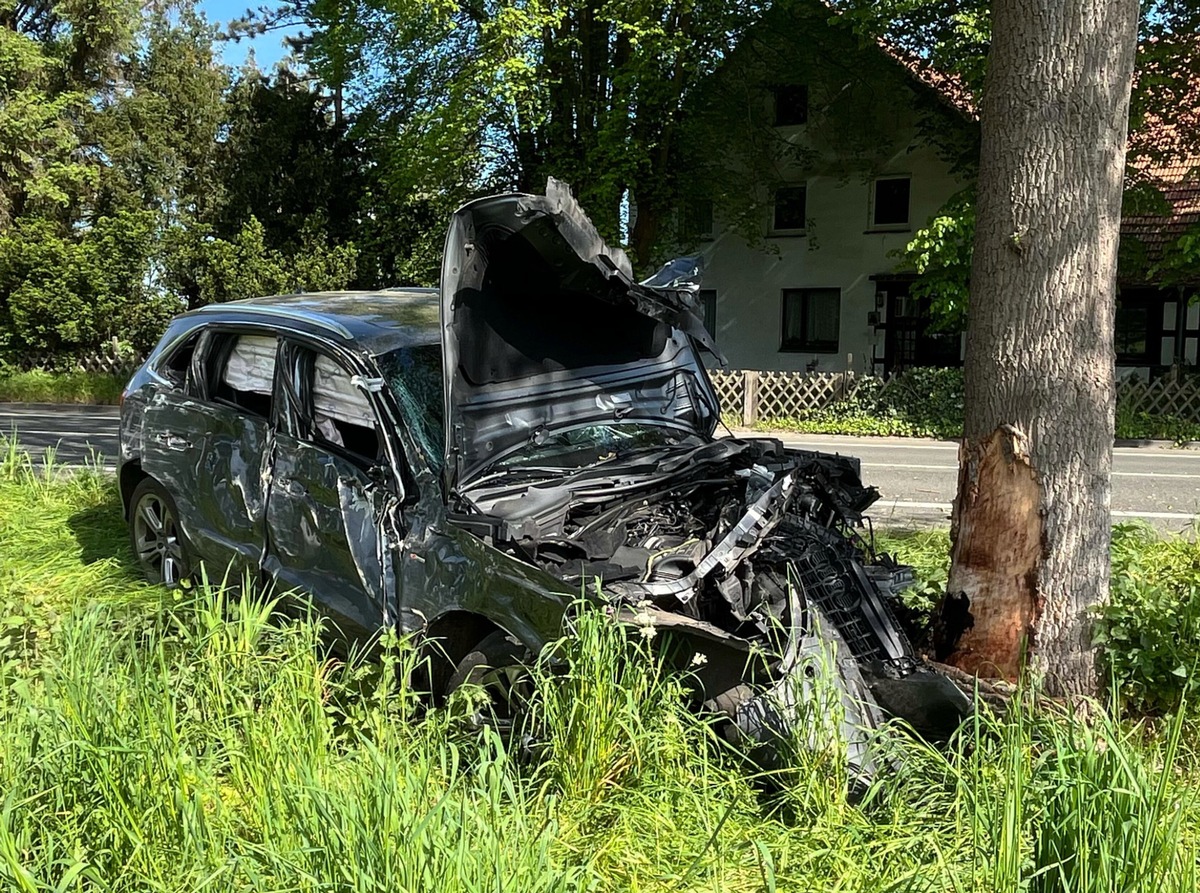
880,143
832,302
854,173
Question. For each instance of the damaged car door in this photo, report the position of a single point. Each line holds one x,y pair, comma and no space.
209,445
329,490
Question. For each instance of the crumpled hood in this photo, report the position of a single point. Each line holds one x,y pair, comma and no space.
544,329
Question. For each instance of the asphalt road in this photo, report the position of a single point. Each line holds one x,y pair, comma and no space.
918,478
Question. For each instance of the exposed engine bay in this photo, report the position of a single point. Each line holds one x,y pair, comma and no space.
739,536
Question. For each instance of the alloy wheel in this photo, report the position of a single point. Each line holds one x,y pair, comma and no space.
156,540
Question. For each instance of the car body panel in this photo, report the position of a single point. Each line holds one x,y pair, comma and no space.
324,535
545,330
215,461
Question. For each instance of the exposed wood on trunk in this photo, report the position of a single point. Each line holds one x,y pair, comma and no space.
1032,521
997,552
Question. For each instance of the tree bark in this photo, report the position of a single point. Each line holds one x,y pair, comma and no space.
1032,522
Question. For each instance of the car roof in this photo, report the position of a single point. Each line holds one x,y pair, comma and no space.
377,321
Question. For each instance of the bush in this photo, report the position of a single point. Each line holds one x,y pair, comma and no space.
1143,425
1150,629
74,291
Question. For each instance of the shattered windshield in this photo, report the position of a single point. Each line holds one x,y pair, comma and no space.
414,375
592,444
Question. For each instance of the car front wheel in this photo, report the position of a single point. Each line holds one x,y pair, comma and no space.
499,668
154,533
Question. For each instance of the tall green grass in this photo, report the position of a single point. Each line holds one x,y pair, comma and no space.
152,741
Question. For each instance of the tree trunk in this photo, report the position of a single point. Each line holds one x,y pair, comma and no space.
1032,522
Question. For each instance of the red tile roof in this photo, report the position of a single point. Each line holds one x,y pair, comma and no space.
949,87
1179,183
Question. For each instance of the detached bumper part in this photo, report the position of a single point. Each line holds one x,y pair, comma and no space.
823,702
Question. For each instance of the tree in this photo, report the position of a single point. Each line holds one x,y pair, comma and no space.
67,293
499,94
203,269
1031,524
155,134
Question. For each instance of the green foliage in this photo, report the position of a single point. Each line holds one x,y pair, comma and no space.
160,134
922,402
172,742
928,553
41,386
207,270
1148,633
940,253
71,292
1179,262
1134,424
1151,626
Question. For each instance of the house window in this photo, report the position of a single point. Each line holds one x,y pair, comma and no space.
707,298
698,219
790,206
1144,322
811,317
791,104
1132,329
890,205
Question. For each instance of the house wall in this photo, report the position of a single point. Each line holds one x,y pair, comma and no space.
837,251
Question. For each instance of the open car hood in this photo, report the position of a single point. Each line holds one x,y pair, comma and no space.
544,329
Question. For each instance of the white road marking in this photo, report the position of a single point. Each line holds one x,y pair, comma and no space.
1119,474
60,434
945,506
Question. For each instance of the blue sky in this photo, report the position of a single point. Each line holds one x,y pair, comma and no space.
268,49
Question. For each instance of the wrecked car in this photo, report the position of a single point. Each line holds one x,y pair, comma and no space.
464,462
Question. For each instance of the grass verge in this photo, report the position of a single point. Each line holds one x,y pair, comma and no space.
151,741
40,386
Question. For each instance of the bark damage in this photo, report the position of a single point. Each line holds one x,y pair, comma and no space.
998,547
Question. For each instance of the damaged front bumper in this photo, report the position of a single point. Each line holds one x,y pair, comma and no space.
841,665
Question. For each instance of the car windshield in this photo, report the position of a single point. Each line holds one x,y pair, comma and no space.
592,444
414,375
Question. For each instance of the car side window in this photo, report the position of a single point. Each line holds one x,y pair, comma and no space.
342,415
174,367
242,372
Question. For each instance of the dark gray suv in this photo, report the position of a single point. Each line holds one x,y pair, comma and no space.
465,463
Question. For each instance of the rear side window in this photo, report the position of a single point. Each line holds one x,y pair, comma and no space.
245,372
174,366
342,414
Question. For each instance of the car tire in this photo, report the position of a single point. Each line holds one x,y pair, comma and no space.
158,544
500,667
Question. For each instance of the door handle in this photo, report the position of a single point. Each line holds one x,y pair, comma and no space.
173,441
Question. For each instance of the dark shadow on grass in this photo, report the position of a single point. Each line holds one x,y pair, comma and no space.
102,535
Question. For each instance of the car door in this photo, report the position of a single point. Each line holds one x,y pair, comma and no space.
208,444
329,493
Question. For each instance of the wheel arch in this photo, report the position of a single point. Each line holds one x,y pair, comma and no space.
449,638
130,475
